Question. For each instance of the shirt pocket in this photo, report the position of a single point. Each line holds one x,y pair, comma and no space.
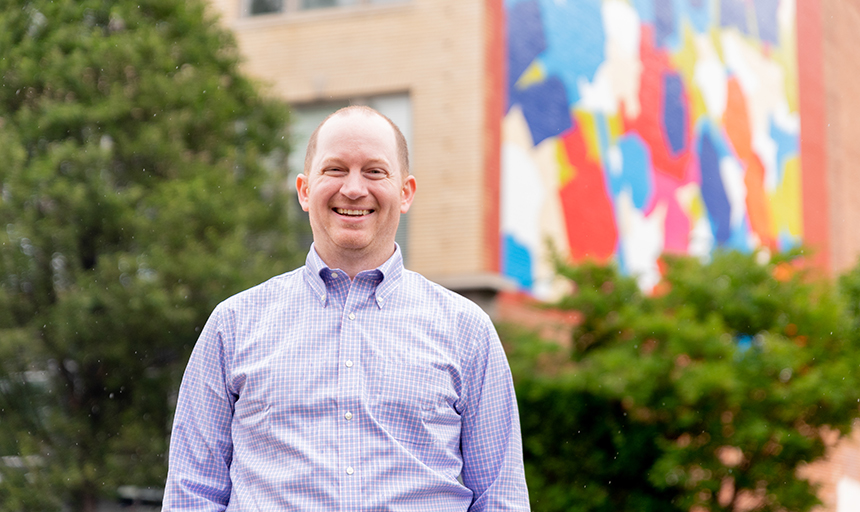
413,403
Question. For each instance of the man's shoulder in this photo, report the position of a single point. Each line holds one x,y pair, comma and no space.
272,289
423,290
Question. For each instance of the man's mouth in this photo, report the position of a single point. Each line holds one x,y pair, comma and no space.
352,213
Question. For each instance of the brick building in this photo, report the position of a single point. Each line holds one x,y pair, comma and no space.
617,129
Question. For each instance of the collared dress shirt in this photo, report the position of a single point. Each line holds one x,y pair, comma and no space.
312,392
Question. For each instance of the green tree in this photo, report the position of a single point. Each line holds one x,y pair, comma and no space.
141,182
710,392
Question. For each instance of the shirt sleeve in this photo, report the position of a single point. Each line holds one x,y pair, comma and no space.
201,447
490,437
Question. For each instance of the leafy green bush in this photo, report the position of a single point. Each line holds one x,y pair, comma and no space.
141,182
711,391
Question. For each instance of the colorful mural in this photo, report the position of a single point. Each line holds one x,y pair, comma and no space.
638,127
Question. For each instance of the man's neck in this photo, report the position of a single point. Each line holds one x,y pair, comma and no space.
353,262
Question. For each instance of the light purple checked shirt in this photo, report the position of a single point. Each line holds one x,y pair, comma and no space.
313,393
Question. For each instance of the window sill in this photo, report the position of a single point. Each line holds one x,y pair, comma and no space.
322,14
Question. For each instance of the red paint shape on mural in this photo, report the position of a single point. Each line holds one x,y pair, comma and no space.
591,229
737,122
677,225
757,203
649,124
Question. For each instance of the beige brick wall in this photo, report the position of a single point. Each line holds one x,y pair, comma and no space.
841,28
432,49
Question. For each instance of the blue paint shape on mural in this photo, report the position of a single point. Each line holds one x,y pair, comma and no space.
545,107
669,16
619,258
516,262
733,13
766,20
787,146
697,12
602,126
575,38
674,112
787,241
645,10
664,21
713,191
739,239
635,173
525,39
510,3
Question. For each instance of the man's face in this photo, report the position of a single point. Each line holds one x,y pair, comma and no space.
355,191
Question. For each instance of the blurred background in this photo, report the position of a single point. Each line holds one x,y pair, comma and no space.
652,198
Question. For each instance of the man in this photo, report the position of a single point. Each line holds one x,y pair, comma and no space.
349,383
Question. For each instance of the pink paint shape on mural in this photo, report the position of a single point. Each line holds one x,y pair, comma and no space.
677,227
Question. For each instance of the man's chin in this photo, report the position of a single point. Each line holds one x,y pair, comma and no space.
353,243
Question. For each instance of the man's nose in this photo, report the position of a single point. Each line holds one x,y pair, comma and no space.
353,185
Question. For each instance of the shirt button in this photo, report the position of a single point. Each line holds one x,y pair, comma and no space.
334,274
349,470
352,316
349,363
348,416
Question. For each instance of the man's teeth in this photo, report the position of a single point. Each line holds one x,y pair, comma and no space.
343,211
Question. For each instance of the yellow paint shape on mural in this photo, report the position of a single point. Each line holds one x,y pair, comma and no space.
615,126
786,52
792,83
684,60
588,125
566,171
786,58
689,197
699,108
697,207
785,201
534,74
717,43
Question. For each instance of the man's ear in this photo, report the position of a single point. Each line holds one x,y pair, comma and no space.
302,191
407,194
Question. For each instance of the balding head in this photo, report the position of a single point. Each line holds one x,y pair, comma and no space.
402,150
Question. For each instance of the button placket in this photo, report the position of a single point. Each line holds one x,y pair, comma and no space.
350,382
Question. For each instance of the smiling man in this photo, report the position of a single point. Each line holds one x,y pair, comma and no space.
350,383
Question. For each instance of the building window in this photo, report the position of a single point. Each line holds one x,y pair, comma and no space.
265,6
305,118
258,7
321,4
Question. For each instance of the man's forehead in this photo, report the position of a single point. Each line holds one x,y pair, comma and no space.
356,119
341,134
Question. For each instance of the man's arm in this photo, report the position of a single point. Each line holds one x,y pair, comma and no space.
201,447
490,439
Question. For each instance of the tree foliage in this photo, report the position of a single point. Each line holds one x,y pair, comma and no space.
710,393
140,183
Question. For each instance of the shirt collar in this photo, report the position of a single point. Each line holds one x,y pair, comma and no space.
391,271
